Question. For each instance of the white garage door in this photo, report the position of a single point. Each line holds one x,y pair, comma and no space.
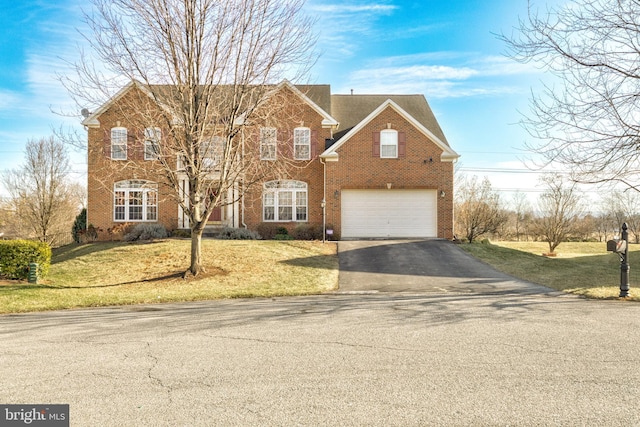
389,213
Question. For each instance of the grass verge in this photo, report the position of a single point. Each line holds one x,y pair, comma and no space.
117,273
580,268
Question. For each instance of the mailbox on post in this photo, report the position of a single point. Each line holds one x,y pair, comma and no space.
615,245
621,247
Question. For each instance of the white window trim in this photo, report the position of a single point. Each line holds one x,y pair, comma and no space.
275,188
301,138
386,142
213,154
116,140
152,136
271,143
149,192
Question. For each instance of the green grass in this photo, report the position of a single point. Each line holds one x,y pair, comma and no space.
117,273
580,268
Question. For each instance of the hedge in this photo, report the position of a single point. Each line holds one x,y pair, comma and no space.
16,255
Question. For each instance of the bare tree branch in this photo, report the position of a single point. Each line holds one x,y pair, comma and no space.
204,74
589,121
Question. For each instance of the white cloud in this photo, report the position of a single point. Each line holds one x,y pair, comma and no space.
342,27
8,100
503,66
417,72
45,96
344,9
442,75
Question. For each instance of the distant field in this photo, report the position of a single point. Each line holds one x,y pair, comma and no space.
565,250
581,268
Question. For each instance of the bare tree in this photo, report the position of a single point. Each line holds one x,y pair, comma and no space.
43,202
588,118
523,214
560,208
604,225
585,228
6,212
478,210
209,65
624,206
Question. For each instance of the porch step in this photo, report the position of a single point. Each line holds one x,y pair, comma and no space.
212,231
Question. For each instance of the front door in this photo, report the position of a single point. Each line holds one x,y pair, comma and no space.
216,214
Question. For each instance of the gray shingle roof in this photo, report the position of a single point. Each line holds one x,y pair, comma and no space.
350,110
319,94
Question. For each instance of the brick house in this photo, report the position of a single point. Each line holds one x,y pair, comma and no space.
364,166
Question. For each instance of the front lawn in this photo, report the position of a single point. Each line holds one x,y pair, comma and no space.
580,268
115,273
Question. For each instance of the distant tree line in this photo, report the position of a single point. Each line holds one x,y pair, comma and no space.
561,213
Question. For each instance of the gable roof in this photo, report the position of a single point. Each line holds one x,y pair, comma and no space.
316,96
92,119
319,94
348,113
356,113
312,93
350,110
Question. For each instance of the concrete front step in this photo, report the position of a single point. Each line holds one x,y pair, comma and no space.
212,231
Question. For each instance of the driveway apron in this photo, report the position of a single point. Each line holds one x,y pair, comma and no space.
420,266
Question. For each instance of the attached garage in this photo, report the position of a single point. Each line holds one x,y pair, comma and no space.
389,213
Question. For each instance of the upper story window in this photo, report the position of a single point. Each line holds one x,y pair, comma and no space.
135,200
152,143
284,201
119,143
268,143
389,144
212,154
302,143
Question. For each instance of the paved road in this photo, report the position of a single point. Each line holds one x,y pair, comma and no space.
511,356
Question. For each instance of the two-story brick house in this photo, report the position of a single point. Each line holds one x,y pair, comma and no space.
367,166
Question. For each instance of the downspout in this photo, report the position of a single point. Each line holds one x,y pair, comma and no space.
324,200
242,188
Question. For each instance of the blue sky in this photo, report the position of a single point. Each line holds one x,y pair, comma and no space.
446,50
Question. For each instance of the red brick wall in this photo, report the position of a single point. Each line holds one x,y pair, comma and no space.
104,172
299,115
357,168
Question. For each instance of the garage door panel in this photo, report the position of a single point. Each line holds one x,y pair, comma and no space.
389,213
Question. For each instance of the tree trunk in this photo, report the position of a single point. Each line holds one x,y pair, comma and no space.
196,253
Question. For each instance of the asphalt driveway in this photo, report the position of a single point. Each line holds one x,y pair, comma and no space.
420,266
